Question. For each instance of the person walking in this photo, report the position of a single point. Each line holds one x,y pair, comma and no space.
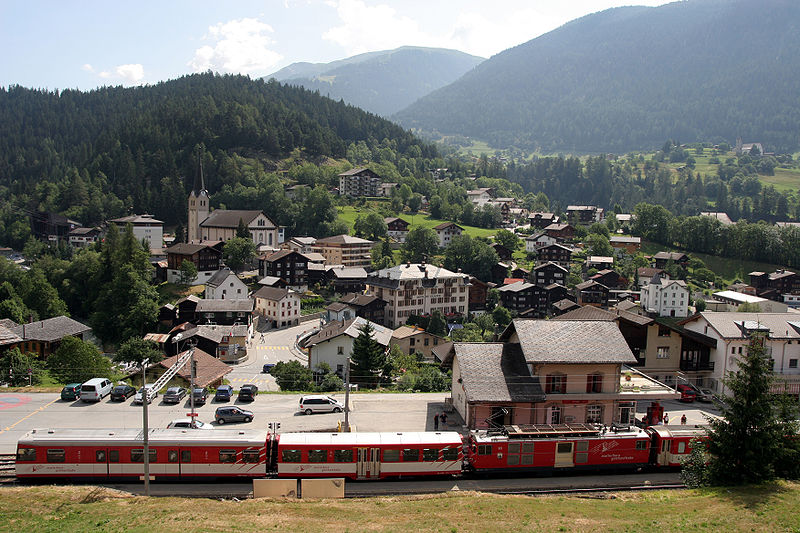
666,419
443,418
683,420
436,422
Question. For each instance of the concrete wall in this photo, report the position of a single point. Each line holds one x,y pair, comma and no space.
274,488
322,488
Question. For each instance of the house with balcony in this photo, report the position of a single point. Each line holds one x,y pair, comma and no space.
554,253
280,308
205,257
345,250
359,182
224,311
414,340
585,215
396,228
446,232
549,273
541,219
288,265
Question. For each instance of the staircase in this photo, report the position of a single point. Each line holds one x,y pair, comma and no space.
171,371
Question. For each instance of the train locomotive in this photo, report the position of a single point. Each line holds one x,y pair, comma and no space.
187,454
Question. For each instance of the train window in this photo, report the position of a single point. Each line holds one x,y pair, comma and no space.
113,456
582,457
450,454
251,456
641,444
564,447
513,460
430,454
26,454
342,456
137,455
527,447
391,455
484,449
172,456
186,456
100,456
227,456
513,447
317,456
681,447
55,456
582,446
290,456
410,454
666,445
526,459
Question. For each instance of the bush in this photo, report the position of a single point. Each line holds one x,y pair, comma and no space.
330,383
293,376
426,378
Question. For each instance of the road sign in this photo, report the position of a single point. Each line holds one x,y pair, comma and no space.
192,414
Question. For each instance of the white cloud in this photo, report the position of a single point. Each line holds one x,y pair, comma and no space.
132,73
105,74
367,28
241,46
87,67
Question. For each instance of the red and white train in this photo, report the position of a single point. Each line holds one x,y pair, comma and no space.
188,454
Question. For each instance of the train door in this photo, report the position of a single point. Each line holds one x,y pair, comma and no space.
172,467
115,466
369,463
665,452
100,462
564,454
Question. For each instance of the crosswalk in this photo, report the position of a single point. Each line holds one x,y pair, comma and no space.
248,380
265,348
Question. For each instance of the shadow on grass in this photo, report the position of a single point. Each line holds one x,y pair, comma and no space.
751,497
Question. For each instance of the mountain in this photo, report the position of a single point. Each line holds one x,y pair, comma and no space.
381,82
629,78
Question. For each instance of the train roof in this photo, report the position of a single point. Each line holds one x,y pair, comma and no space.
675,430
441,438
133,437
556,431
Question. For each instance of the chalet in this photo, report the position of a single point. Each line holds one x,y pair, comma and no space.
554,253
542,220
44,336
522,296
662,258
415,340
562,306
289,265
226,312
446,232
52,227
478,293
205,257
599,262
584,214
80,237
537,240
344,279
592,293
478,197
629,245
560,232
279,307
225,284
365,305
502,252
548,273
775,285
610,278
397,228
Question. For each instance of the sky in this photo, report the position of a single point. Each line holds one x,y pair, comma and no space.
84,44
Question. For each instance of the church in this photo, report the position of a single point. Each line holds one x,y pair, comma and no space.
221,224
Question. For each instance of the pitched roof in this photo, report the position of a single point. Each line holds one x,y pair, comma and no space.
729,325
675,256
341,239
336,307
517,286
8,337
219,277
589,283
571,341
186,248
270,281
351,328
209,368
137,219
216,305
445,225
356,171
229,218
280,254
274,294
357,299
51,329
496,372
342,272
8,323
587,312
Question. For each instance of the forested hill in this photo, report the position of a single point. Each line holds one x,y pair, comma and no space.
627,78
111,151
382,82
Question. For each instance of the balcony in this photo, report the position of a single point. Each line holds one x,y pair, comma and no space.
697,366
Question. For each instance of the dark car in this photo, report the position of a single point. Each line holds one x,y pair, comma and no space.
232,414
267,368
224,393
120,393
71,392
200,395
248,393
174,394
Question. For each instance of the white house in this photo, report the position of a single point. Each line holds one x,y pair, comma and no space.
478,197
279,307
333,344
224,284
538,240
144,227
446,232
665,297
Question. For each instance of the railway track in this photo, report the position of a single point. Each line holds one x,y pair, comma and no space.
7,474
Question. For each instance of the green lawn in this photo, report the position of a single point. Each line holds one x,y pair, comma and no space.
772,507
349,214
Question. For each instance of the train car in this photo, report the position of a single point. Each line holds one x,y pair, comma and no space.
369,455
174,453
672,443
549,448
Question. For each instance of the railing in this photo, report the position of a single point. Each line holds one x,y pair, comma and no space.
697,365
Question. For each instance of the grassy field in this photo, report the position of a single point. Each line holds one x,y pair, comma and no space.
764,508
349,214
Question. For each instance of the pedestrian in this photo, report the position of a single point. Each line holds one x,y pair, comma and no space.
443,418
436,422
666,419
683,420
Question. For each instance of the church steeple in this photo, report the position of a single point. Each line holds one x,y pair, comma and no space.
199,179
199,207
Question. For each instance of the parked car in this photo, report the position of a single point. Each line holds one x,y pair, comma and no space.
95,389
707,395
151,394
688,394
318,403
200,395
232,414
267,368
174,394
122,392
248,393
188,424
71,392
224,393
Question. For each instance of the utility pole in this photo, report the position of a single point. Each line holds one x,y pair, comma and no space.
191,392
146,441
347,396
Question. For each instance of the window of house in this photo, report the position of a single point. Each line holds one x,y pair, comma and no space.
427,341
663,331
594,383
556,384
340,350
663,352
594,414
792,363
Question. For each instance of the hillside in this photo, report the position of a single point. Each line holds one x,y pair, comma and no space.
381,82
104,153
629,78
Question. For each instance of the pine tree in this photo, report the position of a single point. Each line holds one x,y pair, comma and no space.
437,324
367,357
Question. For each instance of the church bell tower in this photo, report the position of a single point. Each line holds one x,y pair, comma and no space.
198,204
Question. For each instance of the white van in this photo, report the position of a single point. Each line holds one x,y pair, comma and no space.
95,389
318,403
